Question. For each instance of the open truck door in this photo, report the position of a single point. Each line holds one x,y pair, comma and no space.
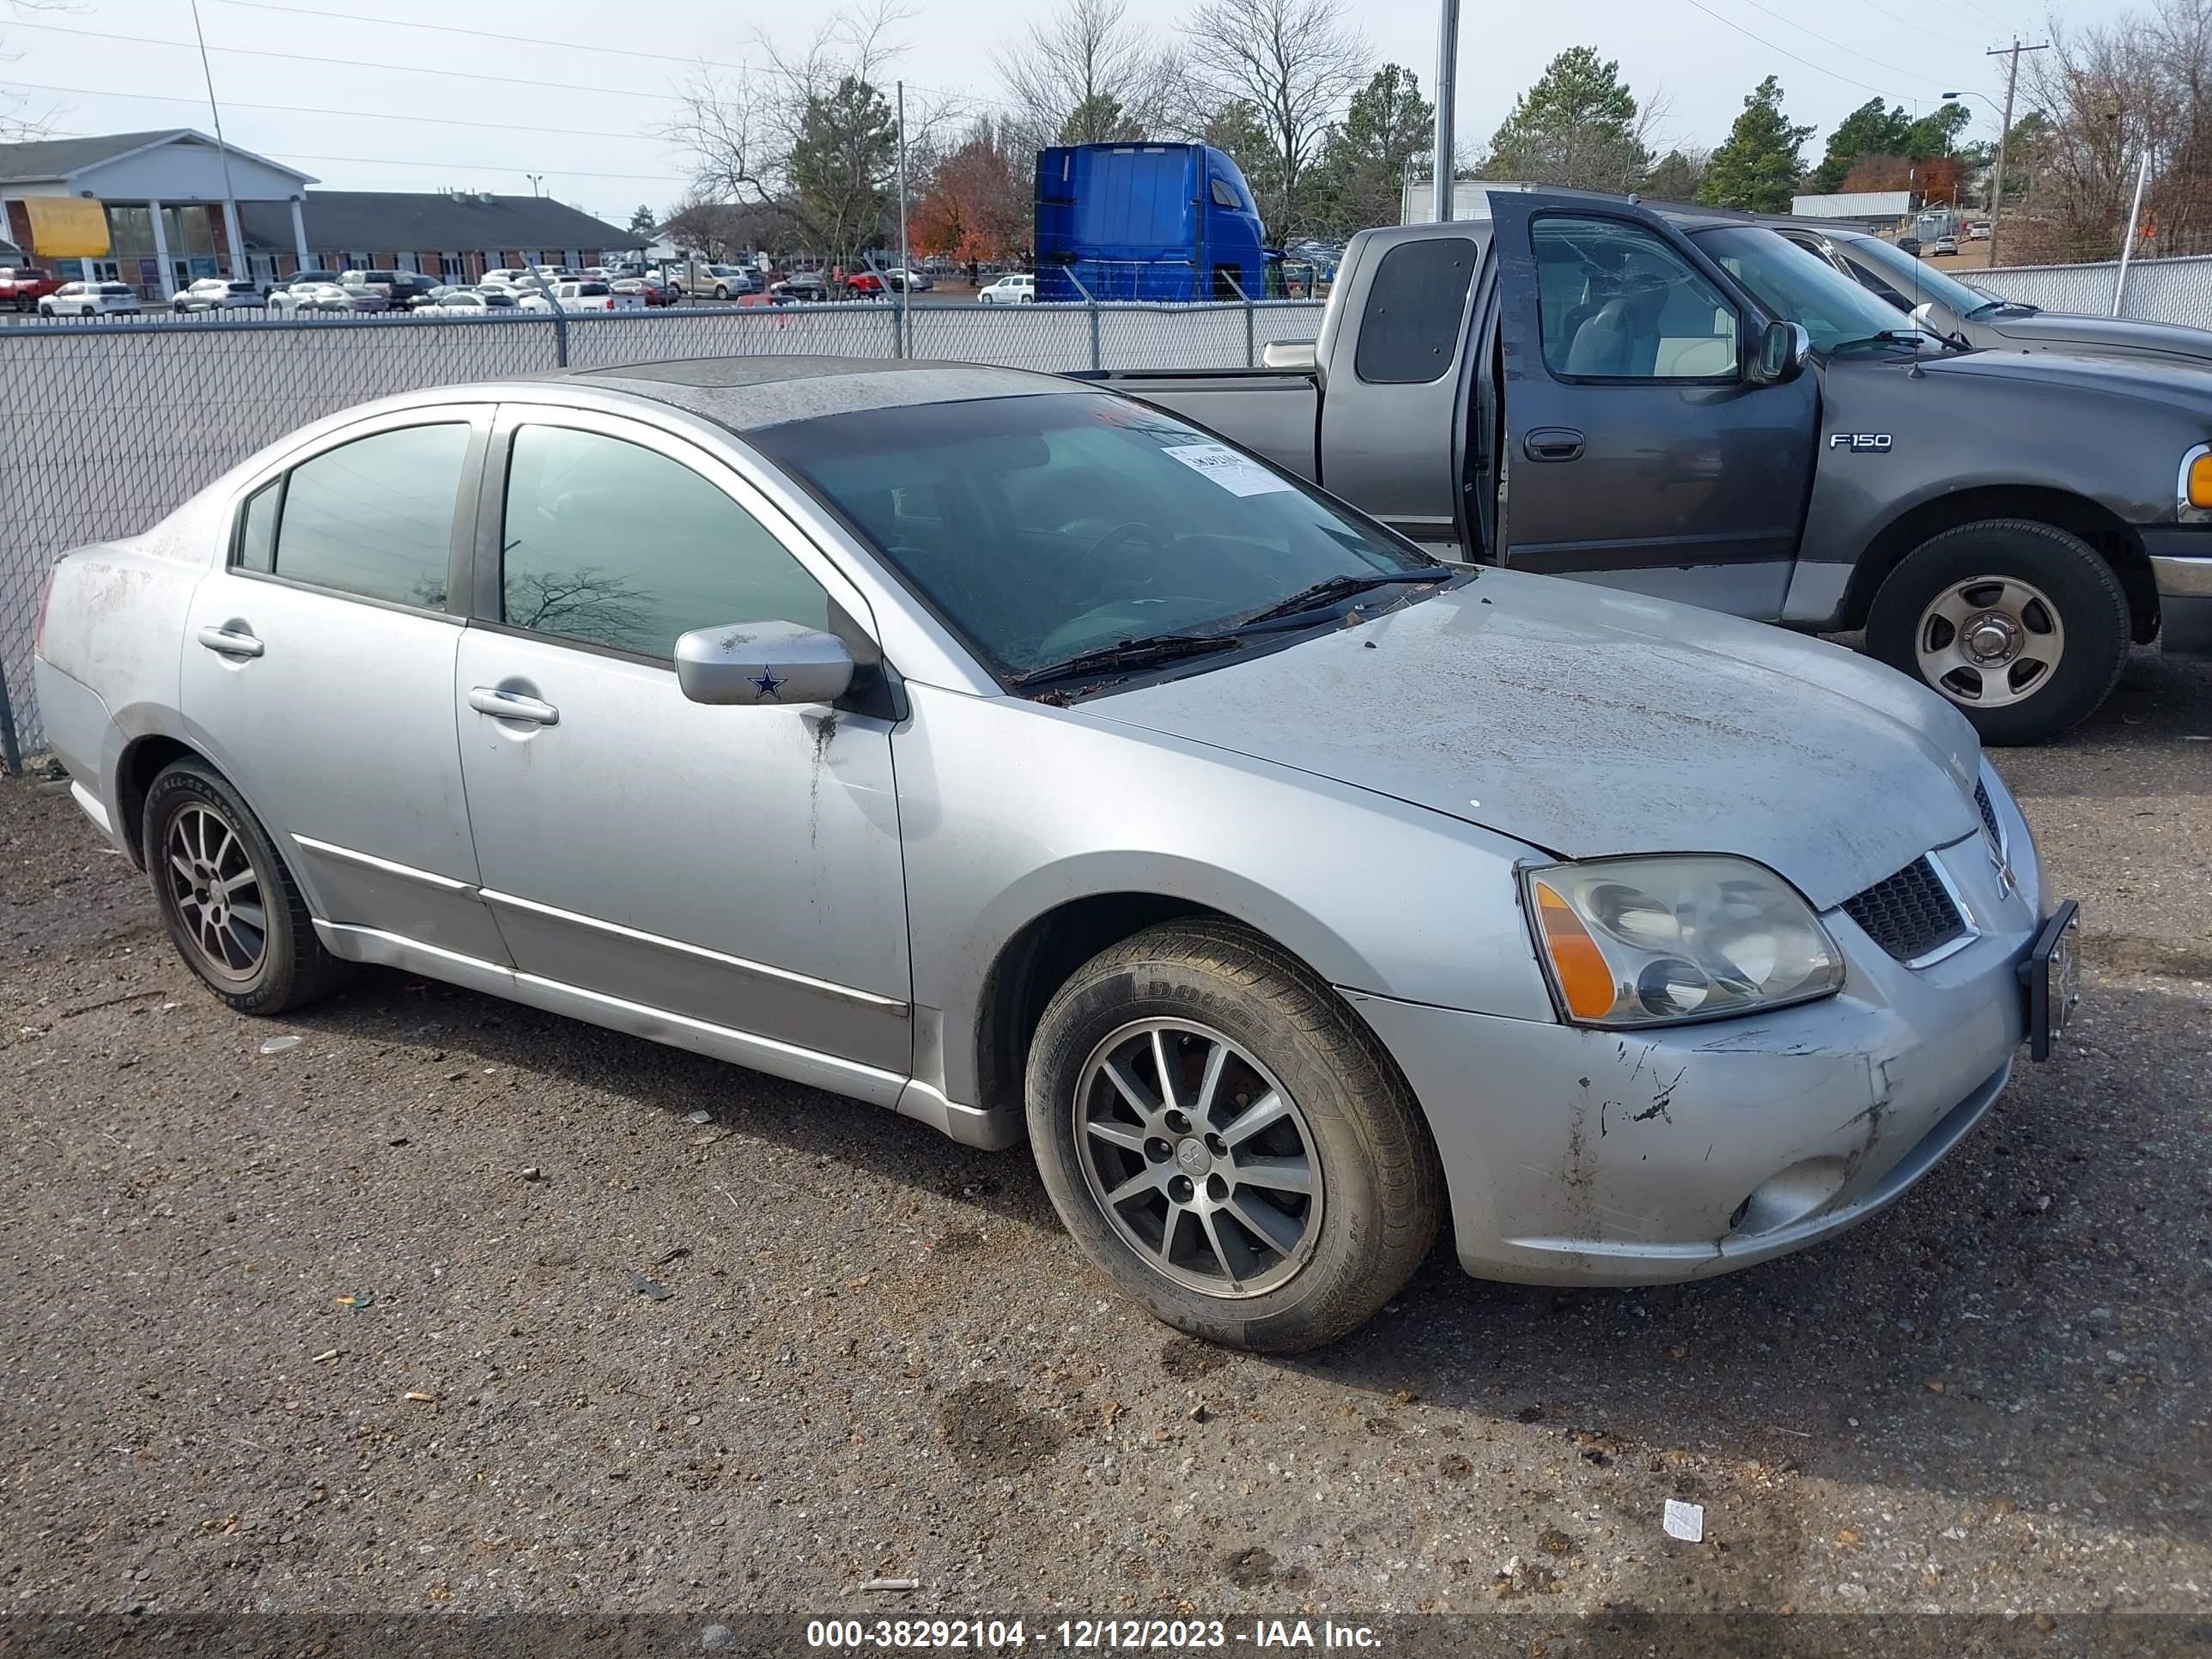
1660,435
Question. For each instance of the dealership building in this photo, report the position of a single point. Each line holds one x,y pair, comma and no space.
159,209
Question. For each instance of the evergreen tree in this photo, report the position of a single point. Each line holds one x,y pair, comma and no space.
842,166
642,222
1361,179
1757,168
1579,126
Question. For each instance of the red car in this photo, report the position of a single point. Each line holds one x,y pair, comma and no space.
865,282
652,291
24,286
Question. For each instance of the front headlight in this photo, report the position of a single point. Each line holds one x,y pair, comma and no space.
1672,936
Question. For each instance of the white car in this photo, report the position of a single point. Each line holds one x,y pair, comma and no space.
317,299
91,299
472,302
1009,290
217,293
507,276
595,297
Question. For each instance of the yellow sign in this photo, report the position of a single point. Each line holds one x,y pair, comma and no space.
67,226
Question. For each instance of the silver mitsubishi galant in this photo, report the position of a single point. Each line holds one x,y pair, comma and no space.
1024,759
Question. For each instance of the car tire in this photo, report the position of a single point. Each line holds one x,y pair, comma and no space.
2050,608
721,292
1231,1014
199,839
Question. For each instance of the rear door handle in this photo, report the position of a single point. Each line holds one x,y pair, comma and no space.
231,642
1552,443
507,706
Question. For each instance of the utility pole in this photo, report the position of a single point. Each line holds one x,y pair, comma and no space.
2004,131
233,233
906,269
1447,88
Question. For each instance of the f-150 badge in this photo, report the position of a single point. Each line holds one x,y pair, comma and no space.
1874,442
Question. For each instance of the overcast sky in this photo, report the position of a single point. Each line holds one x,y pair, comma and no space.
358,127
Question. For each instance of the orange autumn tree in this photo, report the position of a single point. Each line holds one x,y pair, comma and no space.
976,206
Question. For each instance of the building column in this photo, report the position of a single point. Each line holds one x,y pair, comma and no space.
237,238
299,236
168,278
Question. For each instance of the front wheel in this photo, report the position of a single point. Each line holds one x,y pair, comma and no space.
1227,1140
2022,625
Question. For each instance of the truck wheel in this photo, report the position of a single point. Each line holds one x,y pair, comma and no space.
231,907
2020,624
1227,1140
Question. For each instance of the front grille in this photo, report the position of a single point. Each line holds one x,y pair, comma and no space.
1989,814
1909,913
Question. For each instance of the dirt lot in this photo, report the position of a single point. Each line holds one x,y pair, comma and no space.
454,1307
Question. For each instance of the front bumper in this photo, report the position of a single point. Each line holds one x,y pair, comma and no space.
1581,1157
2184,603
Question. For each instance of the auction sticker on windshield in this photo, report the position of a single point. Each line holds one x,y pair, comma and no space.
1239,474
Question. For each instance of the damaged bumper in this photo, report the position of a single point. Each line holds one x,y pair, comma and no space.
1583,1156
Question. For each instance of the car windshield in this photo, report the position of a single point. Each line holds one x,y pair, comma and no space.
1799,286
1916,278
1041,528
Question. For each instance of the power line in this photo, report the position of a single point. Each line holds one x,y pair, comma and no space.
1825,41
1791,55
665,175
1918,28
333,114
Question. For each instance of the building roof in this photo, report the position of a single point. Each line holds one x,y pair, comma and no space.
395,221
60,158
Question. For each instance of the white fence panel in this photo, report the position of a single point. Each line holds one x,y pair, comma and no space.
2158,290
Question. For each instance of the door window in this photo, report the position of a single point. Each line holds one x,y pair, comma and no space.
1618,303
1409,332
374,517
612,543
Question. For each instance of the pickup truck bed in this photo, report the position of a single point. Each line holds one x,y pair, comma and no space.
1273,410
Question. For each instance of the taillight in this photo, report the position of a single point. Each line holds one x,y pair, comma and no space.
45,598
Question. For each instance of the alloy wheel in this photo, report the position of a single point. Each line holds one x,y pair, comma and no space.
1198,1157
217,891
1989,642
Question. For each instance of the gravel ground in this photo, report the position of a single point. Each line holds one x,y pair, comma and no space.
458,1307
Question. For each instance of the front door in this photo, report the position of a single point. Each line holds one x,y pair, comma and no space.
1637,452
318,670
736,866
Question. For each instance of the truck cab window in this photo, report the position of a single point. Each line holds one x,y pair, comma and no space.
1409,332
1617,303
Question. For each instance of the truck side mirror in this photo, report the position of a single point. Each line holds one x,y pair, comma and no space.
1783,351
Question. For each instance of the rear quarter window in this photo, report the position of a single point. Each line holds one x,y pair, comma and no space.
1409,330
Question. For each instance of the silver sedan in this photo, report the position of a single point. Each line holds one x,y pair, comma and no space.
1020,759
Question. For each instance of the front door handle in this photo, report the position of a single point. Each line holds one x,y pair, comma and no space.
1552,443
507,706
231,642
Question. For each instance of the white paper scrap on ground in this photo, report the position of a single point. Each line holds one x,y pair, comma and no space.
1239,474
1686,1521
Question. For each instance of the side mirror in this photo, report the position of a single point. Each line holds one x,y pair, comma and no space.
1783,351
770,662
1923,312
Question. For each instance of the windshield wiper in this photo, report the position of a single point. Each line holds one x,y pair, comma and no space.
1903,337
1128,653
1337,588
2011,308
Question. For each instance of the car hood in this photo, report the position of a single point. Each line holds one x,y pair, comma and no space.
2057,330
1588,722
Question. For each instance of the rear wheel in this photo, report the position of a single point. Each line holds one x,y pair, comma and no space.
2022,625
1224,1138
229,903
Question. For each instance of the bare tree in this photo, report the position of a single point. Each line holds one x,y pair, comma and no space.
1296,64
18,124
1087,75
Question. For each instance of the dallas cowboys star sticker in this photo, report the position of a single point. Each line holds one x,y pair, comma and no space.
766,684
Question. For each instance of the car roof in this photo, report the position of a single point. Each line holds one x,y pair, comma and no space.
744,393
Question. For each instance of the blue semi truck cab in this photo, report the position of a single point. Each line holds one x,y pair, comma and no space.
1148,222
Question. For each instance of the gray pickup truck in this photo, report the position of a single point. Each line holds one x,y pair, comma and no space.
1703,411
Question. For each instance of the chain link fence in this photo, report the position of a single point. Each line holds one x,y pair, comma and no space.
2165,290
111,424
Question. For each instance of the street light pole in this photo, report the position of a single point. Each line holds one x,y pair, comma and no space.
2004,131
233,232
906,268
1447,90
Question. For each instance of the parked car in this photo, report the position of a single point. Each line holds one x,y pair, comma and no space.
1010,290
1979,231
727,281
302,279
916,281
90,299
302,299
596,297
652,293
24,286
865,285
471,302
217,294
1678,943
1945,247
508,276
2002,526
802,285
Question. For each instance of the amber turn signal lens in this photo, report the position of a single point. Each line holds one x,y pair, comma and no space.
2200,481
1584,979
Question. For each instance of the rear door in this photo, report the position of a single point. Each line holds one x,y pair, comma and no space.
1637,453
